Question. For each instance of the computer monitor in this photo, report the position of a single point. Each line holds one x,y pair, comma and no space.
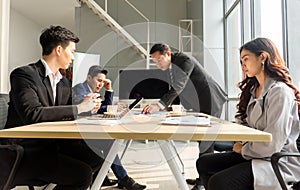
148,83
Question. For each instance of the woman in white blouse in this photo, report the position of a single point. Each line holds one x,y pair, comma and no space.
268,102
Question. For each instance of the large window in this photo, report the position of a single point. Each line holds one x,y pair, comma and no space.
268,21
247,29
229,4
248,19
233,42
293,39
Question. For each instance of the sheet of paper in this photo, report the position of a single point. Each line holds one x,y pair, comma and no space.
88,121
187,120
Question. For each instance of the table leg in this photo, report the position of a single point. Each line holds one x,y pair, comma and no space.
169,154
178,156
107,163
128,143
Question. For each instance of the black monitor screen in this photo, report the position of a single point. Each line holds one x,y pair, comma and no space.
147,83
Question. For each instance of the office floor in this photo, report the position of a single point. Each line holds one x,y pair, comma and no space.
145,163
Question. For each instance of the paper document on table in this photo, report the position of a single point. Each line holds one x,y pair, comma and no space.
89,121
187,120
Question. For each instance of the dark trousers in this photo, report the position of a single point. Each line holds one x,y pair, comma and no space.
68,163
225,171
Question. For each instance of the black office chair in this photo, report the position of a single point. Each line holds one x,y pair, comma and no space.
3,109
275,165
10,154
221,146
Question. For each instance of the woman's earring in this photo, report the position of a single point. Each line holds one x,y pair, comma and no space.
263,65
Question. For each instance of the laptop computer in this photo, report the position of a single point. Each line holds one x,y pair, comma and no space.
120,114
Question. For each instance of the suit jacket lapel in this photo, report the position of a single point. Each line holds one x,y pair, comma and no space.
59,92
87,90
62,93
45,80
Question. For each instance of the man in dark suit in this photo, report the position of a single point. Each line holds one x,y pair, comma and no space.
39,93
197,90
95,81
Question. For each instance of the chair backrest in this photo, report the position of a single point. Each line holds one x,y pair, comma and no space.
298,143
298,140
10,155
4,98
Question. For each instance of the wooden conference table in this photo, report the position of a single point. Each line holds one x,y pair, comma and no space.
138,127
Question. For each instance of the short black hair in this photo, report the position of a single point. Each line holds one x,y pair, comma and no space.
95,70
56,35
162,48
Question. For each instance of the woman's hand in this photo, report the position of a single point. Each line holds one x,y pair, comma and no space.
237,147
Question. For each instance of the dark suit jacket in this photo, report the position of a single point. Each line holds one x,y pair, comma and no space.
31,97
31,101
197,90
82,89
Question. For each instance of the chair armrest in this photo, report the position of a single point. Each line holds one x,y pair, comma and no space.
274,161
10,158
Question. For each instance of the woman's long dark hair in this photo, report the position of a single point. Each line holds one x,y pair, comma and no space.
275,68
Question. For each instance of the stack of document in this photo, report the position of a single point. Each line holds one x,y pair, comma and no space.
187,120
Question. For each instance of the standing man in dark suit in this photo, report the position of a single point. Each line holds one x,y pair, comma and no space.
197,90
39,93
95,81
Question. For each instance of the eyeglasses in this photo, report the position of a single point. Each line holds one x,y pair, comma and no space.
158,60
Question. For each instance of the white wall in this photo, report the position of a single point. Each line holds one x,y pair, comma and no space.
24,45
97,38
4,33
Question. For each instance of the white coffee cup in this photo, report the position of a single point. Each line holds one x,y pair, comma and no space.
112,108
177,108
